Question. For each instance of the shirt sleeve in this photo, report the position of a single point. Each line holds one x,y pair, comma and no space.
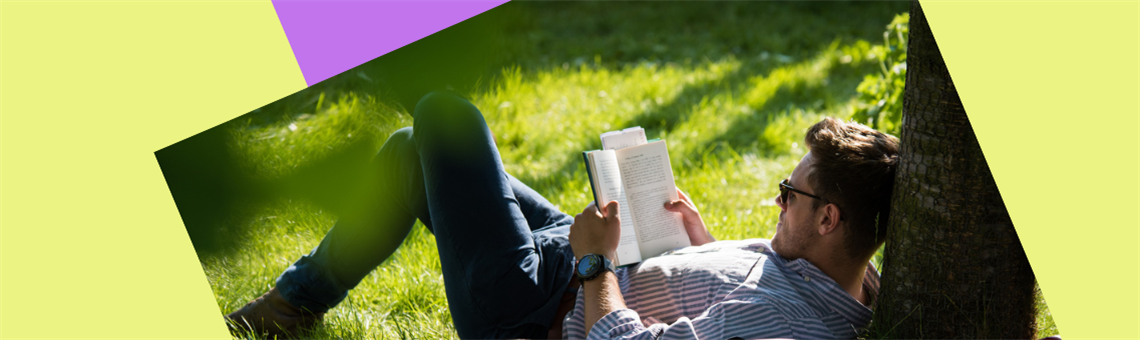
745,319
622,324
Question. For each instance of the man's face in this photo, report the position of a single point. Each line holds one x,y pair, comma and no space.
795,231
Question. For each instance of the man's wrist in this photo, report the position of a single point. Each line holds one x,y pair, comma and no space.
591,265
600,280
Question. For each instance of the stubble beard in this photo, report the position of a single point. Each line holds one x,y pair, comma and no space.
779,241
792,242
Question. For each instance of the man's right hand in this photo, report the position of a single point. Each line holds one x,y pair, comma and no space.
694,226
596,233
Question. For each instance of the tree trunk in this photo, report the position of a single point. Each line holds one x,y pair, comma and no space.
953,264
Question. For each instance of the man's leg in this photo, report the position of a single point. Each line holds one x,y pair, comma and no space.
498,268
356,245
361,241
501,280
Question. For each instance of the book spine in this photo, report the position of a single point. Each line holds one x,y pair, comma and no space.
590,174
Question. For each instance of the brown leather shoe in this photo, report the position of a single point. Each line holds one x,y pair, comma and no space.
271,315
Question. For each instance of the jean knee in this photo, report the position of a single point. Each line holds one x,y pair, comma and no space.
448,126
447,114
397,147
398,175
397,164
442,104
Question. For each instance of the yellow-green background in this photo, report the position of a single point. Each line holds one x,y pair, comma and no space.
91,244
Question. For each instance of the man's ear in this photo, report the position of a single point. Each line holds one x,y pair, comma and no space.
828,219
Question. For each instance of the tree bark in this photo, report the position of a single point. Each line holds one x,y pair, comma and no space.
953,265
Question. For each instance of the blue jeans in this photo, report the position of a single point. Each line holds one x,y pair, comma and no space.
503,248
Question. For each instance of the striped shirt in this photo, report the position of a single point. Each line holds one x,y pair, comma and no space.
724,290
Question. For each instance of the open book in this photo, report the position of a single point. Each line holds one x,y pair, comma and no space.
636,173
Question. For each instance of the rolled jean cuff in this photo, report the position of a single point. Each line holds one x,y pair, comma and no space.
309,286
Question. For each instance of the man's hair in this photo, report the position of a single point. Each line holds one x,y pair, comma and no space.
854,168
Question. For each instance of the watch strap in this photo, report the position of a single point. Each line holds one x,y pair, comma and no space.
605,264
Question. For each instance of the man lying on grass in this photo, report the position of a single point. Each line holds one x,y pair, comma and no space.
509,256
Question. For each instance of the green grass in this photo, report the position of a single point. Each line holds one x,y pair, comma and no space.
730,86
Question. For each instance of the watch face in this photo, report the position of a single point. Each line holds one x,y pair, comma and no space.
588,265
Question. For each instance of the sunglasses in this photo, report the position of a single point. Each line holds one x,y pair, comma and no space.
786,186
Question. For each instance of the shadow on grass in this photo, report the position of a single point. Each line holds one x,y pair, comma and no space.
789,98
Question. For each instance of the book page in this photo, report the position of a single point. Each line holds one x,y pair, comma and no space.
648,181
609,186
614,140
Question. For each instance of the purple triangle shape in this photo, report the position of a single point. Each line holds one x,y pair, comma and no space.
329,37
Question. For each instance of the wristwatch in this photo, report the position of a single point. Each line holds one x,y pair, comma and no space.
592,265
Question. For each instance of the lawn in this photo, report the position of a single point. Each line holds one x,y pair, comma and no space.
731,86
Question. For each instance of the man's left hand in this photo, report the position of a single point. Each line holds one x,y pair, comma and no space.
593,233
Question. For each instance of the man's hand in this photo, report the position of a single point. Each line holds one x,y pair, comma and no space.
593,233
694,226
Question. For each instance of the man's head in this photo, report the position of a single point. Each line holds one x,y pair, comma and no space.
842,187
